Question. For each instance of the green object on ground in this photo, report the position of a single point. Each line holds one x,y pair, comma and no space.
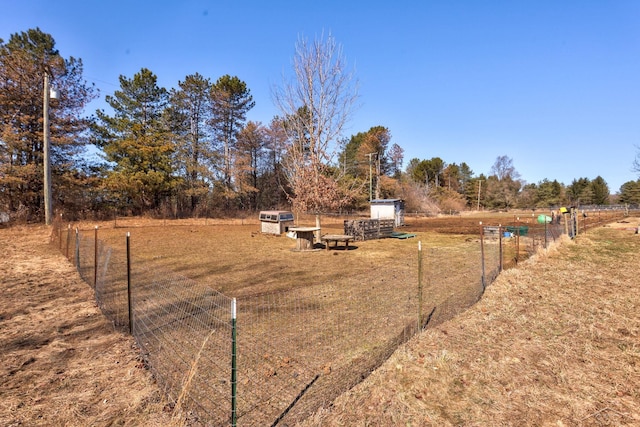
397,235
544,218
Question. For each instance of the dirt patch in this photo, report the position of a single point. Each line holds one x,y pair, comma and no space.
61,362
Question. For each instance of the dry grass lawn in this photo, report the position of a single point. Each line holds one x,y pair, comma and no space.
61,362
555,342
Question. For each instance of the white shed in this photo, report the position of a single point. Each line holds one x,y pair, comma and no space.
388,209
275,222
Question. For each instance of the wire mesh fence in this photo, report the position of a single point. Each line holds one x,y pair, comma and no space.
184,331
297,349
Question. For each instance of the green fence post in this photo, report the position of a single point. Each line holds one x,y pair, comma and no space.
129,283
484,286
66,253
95,257
517,241
234,367
419,286
77,250
500,254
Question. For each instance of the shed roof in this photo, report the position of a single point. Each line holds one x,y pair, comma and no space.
384,201
274,212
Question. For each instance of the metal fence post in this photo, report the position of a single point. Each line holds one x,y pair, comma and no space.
95,257
77,250
129,283
419,286
482,255
584,223
234,367
66,253
501,253
517,241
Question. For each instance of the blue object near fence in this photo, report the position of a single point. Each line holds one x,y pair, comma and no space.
521,230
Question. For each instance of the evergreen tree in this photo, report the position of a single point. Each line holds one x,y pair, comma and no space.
230,102
365,157
476,191
548,193
630,192
451,177
188,115
273,183
427,172
600,191
373,142
396,158
250,155
137,143
578,191
466,174
24,60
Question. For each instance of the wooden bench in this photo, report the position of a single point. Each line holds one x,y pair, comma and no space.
328,238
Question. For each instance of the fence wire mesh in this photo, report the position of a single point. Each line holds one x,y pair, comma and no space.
300,348
332,335
184,331
454,280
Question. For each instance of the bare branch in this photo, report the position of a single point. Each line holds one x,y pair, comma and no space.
315,104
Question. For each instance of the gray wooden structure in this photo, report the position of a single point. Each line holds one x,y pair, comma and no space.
369,229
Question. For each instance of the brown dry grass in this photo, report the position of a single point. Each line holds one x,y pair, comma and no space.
534,351
61,363
344,312
555,342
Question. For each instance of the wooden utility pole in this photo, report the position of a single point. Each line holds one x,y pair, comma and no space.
46,152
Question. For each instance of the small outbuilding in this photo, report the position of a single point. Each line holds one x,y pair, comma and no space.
388,209
275,222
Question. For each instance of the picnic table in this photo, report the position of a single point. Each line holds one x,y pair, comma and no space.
328,238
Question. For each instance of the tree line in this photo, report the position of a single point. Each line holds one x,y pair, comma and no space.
191,150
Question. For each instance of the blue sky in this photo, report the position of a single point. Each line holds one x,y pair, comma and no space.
554,85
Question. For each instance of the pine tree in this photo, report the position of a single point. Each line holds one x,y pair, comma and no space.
250,156
230,101
137,143
24,59
188,116
600,190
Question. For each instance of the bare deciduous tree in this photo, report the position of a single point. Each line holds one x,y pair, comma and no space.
503,168
504,184
316,103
